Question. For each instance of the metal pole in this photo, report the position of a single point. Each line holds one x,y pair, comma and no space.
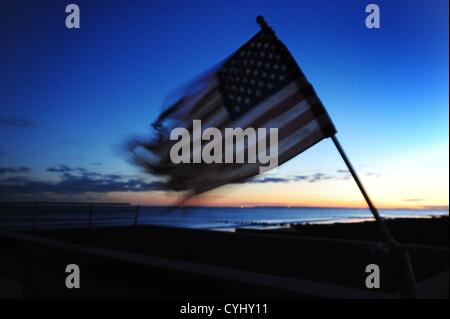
408,279
373,209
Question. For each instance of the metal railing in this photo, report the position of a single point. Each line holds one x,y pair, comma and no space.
34,215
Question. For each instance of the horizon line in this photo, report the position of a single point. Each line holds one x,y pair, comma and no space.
429,207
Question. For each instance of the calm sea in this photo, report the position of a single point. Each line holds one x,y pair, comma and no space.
231,218
205,217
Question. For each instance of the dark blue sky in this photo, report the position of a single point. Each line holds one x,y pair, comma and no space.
71,96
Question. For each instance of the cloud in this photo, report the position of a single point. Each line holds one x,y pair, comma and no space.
436,207
14,170
413,200
373,174
60,169
15,122
267,180
77,181
310,178
320,177
68,171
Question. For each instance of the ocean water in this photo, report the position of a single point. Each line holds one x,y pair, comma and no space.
265,217
217,218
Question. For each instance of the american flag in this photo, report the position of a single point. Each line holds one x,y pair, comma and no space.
259,86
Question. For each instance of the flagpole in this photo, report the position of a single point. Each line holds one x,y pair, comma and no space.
408,282
408,279
373,209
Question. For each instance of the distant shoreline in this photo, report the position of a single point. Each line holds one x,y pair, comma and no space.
331,221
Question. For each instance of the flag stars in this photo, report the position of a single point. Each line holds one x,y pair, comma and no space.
255,72
231,71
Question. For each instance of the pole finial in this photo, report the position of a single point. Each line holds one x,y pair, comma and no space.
262,23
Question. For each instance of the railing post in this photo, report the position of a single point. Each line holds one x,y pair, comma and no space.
35,211
137,215
91,211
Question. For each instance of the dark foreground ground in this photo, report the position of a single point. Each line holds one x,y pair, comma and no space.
425,231
326,261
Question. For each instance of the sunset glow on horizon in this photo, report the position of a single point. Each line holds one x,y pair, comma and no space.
394,189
